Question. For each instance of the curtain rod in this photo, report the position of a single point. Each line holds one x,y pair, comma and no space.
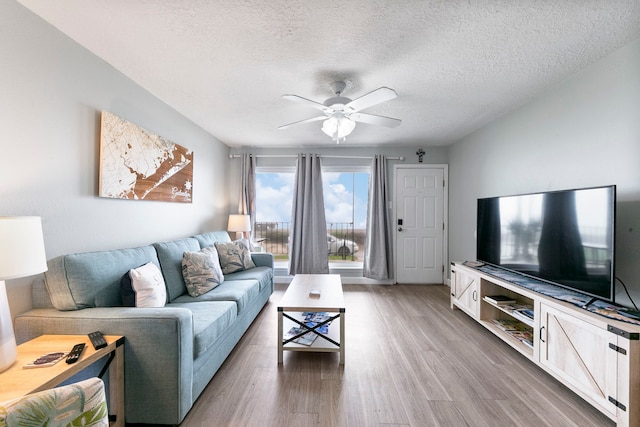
237,156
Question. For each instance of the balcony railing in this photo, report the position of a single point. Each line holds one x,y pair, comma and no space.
344,242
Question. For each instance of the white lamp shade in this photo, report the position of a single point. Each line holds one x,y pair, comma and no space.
239,223
338,126
21,254
21,247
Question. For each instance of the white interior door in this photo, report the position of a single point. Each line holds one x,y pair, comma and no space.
420,223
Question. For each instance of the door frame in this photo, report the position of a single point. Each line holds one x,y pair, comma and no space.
445,214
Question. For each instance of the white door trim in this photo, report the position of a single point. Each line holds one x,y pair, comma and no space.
445,214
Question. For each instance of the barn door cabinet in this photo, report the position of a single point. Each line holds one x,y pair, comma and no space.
465,285
595,356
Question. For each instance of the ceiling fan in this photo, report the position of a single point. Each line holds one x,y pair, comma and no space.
341,113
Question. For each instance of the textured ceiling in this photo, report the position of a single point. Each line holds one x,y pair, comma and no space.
456,65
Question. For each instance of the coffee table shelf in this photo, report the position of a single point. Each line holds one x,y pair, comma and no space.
298,299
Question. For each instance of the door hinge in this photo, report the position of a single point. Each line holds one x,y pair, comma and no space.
618,404
618,349
628,335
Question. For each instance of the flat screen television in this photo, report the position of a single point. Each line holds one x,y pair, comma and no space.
562,237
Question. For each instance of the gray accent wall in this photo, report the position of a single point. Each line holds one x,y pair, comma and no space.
52,92
582,132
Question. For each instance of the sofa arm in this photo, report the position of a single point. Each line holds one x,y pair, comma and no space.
158,353
262,259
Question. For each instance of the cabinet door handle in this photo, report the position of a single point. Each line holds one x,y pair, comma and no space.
542,329
474,295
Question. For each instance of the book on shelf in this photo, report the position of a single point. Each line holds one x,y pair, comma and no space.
525,337
323,329
518,315
528,343
499,299
509,325
513,307
527,312
316,316
312,318
306,339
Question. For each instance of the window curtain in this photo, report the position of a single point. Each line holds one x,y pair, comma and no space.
378,248
308,249
561,258
247,205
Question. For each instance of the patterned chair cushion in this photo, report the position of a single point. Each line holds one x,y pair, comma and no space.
79,404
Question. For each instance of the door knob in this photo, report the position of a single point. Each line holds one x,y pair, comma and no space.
399,228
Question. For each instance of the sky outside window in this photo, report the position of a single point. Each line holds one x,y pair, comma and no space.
345,197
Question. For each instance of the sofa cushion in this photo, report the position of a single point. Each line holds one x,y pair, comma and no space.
92,279
208,239
143,287
264,275
170,257
234,256
201,271
242,292
210,321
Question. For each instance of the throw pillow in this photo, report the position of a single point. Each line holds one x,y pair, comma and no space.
234,256
143,287
201,271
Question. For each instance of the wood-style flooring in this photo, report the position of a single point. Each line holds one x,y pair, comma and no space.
410,361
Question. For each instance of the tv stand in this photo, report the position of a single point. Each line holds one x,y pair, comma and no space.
595,356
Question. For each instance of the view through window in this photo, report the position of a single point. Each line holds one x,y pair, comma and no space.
345,203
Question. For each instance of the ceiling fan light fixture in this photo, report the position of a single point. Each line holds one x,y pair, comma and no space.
341,114
338,127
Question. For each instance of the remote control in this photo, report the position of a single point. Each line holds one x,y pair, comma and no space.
75,353
97,339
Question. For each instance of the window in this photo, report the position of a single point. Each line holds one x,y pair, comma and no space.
274,196
345,200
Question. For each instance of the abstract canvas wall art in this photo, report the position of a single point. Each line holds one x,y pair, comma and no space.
140,165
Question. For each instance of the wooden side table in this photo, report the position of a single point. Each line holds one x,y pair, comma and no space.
16,381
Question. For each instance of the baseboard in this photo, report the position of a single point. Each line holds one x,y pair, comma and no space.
345,280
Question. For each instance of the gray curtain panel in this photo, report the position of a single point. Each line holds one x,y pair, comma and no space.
378,256
308,250
248,189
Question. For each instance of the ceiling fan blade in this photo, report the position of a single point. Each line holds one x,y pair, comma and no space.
312,119
376,97
314,104
373,119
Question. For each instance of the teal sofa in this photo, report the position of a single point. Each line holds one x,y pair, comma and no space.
171,353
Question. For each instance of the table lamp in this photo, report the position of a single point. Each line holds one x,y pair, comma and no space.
239,224
21,254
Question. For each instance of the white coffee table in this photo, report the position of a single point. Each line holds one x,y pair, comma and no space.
298,300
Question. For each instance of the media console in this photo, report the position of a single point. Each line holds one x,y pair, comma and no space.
595,356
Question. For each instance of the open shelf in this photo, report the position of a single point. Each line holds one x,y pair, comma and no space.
519,345
512,310
593,355
319,344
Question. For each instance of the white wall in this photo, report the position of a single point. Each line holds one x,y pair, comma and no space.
51,94
582,132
